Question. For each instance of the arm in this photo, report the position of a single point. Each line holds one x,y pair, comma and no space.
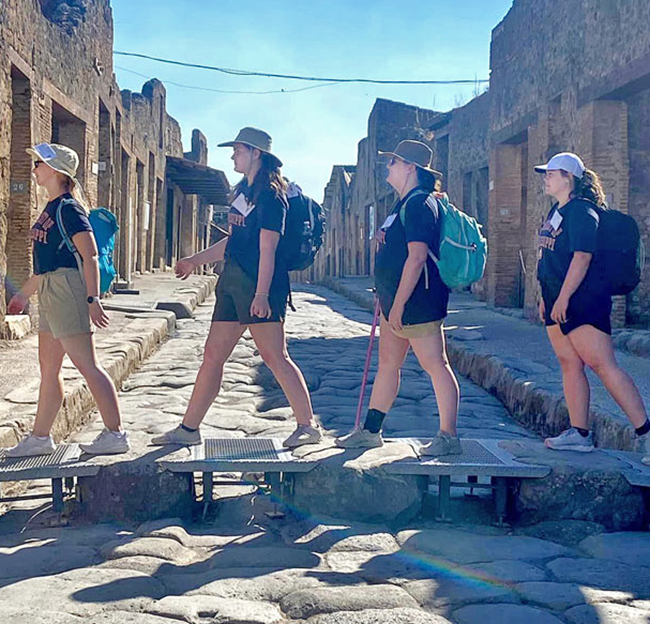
576,273
185,266
20,299
85,244
411,272
268,244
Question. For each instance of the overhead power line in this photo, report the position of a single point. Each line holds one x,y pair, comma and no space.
184,86
242,72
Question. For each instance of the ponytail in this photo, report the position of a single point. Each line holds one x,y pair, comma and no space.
76,190
590,187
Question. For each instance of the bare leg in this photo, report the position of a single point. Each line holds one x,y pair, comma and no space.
574,380
222,339
50,394
392,353
596,349
272,345
81,350
431,352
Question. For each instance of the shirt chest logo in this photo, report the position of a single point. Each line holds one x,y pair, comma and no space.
242,205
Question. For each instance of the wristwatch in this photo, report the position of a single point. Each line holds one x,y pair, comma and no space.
92,300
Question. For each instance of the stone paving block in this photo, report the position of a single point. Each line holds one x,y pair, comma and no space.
25,615
307,602
84,592
556,596
138,563
508,571
379,616
606,614
263,557
374,567
29,561
566,532
630,548
457,591
159,547
464,547
197,608
503,614
603,574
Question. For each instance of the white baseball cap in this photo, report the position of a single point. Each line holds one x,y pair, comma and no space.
61,158
566,161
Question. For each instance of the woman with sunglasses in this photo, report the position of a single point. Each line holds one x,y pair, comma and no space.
68,301
413,301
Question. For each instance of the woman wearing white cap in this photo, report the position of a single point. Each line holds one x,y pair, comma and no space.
68,298
252,292
575,306
413,300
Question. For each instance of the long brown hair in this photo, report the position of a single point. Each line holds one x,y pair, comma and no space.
268,176
589,187
75,189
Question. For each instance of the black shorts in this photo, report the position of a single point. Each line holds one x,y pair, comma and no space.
235,293
584,309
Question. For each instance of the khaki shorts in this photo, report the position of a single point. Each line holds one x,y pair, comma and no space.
62,305
420,330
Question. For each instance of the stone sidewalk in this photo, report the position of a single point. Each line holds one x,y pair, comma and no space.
135,331
513,359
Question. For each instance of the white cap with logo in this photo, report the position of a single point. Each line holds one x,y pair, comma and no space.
566,161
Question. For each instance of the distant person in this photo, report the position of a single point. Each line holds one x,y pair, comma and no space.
413,301
575,306
68,300
252,291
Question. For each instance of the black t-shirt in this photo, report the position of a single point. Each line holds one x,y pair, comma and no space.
267,212
49,253
574,227
430,296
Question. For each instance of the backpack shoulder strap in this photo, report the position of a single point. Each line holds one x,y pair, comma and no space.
402,210
66,239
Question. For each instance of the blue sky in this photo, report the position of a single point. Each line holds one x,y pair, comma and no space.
314,129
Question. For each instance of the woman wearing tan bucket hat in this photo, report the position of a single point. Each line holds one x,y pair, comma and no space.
252,291
413,301
68,298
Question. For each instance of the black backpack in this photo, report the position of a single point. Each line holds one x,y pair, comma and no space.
303,232
620,253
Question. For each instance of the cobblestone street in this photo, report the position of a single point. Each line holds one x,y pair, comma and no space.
240,567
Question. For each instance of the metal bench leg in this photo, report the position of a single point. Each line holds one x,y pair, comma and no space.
501,500
57,495
208,484
470,481
444,495
69,485
274,481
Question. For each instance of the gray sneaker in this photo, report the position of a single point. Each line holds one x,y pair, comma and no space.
178,436
360,438
442,444
108,443
645,449
304,434
32,446
571,440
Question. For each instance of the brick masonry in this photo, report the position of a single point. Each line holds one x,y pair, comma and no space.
57,84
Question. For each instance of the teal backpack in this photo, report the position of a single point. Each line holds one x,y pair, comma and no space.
105,227
463,248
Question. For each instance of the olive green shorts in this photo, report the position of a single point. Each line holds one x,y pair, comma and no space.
420,330
62,305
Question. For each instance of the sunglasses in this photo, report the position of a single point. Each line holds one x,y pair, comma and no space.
37,163
394,160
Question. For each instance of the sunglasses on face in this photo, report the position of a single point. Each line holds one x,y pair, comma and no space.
37,163
394,160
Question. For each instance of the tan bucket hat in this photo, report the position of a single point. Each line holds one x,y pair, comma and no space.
61,158
416,153
254,137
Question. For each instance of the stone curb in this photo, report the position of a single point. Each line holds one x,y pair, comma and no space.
140,339
537,409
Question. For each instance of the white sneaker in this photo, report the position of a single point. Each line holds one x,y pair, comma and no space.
304,434
571,440
360,438
108,443
178,436
31,446
645,449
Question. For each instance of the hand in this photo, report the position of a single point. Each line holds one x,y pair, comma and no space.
17,303
542,311
261,307
184,268
395,317
98,315
558,313
380,237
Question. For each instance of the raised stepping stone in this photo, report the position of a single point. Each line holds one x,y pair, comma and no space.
503,614
630,548
607,614
159,547
307,602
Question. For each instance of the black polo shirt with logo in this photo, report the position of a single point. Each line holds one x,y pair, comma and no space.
421,224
